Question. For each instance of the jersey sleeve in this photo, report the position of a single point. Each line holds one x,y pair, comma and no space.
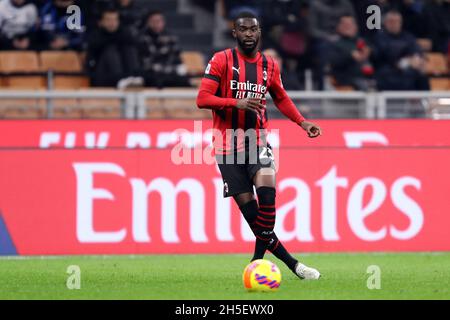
216,67
281,98
207,98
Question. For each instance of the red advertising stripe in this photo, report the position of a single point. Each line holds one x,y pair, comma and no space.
161,133
138,201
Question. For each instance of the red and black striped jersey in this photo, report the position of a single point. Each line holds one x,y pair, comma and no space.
231,76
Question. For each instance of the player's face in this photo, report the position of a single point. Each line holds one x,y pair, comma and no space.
247,34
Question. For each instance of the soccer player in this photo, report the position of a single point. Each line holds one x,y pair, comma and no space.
234,87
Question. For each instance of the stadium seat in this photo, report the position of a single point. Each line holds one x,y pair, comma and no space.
70,82
194,62
440,84
436,64
60,61
24,82
337,86
19,61
66,62
82,56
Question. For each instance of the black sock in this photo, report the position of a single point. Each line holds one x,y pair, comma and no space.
250,212
266,221
279,251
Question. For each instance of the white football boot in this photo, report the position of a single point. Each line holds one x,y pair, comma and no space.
306,273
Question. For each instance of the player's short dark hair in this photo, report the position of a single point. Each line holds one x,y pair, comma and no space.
245,15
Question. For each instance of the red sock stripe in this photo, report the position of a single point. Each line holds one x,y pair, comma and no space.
267,213
267,206
264,219
276,246
264,225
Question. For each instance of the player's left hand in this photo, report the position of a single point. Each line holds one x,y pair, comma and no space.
312,129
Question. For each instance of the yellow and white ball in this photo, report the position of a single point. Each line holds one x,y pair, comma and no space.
261,275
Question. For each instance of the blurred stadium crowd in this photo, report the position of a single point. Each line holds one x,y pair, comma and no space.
165,43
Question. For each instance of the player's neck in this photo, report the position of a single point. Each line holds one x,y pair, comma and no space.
251,55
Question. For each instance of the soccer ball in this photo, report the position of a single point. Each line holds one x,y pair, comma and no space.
261,275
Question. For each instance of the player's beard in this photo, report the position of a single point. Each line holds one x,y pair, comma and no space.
248,50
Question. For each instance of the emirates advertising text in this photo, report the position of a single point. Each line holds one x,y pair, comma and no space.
131,187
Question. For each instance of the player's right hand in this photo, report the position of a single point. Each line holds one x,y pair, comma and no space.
251,104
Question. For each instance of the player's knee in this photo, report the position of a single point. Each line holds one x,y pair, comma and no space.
266,195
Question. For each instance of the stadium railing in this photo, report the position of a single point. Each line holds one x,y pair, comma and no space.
180,103
85,99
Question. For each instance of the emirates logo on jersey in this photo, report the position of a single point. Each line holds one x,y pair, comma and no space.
248,89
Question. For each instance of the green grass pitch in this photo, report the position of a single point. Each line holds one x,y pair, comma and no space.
173,277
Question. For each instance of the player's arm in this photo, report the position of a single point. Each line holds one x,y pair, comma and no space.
287,107
207,99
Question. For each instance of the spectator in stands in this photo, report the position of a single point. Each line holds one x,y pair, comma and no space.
113,58
280,12
54,33
161,55
415,21
399,62
290,77
349,56
438,13
323,19
285,27
18,20
130,14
